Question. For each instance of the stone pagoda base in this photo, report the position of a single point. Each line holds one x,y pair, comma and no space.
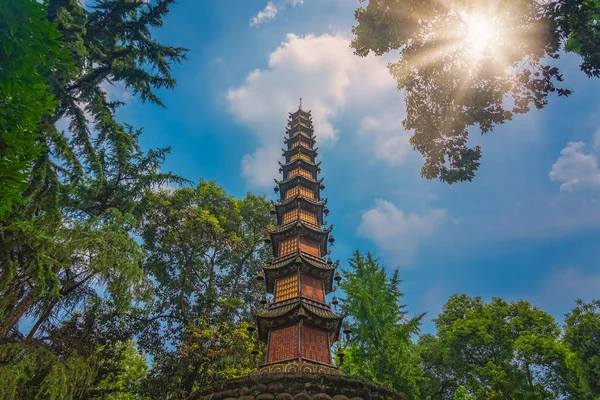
296,386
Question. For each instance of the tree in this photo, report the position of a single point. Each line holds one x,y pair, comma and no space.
87,356
216,351
68,244
121,372
501,350
28,49
381,349
474,63
73,228
582,335
203,251
440,381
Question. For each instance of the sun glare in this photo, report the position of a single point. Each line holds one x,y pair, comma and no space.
480,34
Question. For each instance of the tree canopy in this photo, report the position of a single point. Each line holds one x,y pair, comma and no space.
500,350
28,49
381,349
479,350
467,64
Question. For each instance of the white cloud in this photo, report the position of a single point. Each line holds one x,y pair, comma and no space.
575,168
266,14
330,78
399,233
257,168
597,141
271,11
390,141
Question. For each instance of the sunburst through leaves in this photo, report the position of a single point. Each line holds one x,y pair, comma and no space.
466,63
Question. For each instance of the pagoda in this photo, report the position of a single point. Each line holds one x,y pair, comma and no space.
298,326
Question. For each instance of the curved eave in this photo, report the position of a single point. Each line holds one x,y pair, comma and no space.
312,182
287,152
318,236
283,229
295,123
301,113
311,265
316,262
286,313
310,167
302,203
299,132
281,204
302,127
295,163
311,140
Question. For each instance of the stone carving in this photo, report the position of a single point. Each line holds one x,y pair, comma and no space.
296,386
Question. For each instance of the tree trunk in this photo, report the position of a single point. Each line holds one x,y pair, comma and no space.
42,318
18,312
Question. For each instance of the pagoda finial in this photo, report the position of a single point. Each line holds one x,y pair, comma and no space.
300,106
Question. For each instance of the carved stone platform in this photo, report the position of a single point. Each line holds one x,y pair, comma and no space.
298,366
296,386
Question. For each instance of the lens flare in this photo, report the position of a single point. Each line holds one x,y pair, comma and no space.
481,34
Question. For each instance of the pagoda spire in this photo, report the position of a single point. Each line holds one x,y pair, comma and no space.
298,326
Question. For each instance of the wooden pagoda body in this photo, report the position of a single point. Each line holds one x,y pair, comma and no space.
298,326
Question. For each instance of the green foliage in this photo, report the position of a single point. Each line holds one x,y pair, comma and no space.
439,380
204,248
381,349
213,352
68,248
501,350
121,372
461,394
28,49
33,372
579,21
582,335
448,90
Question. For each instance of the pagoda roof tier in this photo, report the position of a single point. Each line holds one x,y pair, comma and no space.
300,228
301,113
299,122
300,126
299,180
305,135
281,204
302,203
310,265
295,163
309,230
303,138
286,312
282,229
310,141
309,183
307,165
310,152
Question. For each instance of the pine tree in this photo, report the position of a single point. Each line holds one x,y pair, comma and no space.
381,349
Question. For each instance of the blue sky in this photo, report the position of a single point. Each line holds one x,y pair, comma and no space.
527,227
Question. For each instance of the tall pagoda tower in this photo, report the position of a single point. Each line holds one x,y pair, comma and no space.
298,326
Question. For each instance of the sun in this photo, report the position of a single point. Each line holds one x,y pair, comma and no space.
480,34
